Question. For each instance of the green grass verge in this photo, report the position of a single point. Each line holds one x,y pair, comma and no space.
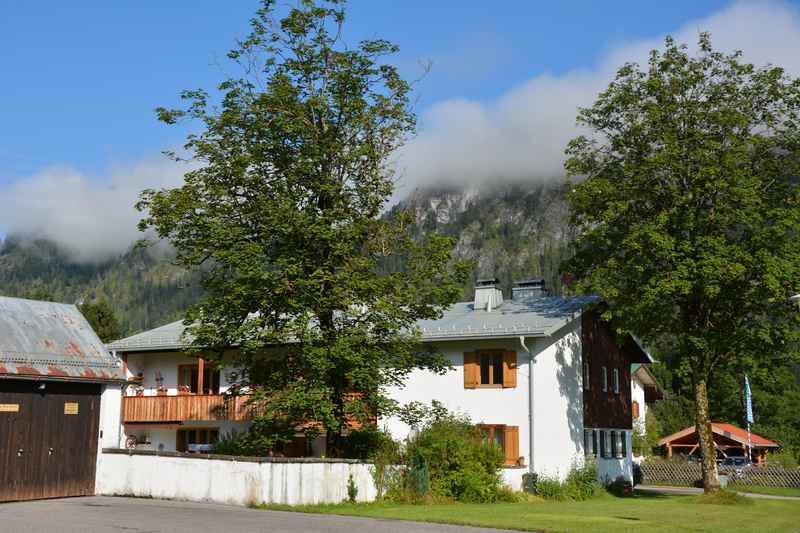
605,513
777,491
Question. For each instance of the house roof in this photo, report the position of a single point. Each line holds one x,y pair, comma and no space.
532,317
726,430
53,341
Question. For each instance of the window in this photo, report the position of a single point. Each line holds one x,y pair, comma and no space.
586,378
635,409
605,379
196,440
491,369
614,444
616,381
187,379
504,437
590,442
622,444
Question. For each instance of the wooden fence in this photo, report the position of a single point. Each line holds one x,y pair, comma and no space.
655,472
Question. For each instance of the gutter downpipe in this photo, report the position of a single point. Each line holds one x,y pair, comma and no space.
530,403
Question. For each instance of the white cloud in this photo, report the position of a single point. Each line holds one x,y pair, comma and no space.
522,134
94,219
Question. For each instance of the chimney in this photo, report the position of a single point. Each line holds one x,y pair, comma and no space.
528,288
487,295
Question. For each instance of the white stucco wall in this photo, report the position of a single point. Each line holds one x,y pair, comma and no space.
231,482
558,399
637,395
483,405
558,402
110,413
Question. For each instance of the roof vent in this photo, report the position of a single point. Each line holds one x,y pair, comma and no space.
528,288
487,295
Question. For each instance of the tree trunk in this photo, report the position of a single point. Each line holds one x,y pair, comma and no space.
705,438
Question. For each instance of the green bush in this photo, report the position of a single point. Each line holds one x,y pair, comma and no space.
550,488
231,443
461,466
784,458
580,484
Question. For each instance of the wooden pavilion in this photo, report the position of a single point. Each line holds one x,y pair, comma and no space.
730,440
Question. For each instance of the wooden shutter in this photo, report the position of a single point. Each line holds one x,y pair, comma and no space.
635,409
471,370
509,369
511,444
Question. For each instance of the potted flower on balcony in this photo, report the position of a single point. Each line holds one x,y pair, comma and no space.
161,390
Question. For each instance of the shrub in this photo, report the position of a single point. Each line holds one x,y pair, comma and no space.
784,458
460,465
230,443
352,489
550,488
620,487
580,484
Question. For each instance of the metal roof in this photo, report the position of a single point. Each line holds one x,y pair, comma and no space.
534,317
53,341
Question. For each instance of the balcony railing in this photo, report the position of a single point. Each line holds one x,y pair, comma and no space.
185,407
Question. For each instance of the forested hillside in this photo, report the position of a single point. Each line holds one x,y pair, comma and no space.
143,288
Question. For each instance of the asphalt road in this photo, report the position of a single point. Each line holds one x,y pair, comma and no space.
126,515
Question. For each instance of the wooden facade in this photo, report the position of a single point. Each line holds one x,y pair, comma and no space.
143,409
604,404
48,439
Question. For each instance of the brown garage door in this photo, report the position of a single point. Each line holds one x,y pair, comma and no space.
48,439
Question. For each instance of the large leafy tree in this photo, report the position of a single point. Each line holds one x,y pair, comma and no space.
285,215
688,206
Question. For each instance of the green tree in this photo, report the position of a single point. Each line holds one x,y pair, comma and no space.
101,317
688,212
284,213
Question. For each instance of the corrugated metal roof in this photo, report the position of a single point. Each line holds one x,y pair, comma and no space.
535,317
52,340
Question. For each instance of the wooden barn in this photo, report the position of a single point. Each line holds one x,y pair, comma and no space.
60,397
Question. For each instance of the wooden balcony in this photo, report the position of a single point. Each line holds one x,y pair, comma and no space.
143,409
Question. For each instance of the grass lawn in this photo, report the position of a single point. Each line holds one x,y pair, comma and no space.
602,514
778,491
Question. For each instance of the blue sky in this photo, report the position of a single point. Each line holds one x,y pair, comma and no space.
80,80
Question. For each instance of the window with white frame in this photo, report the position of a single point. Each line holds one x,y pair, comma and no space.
586,381
605,379
612,452
616,381
605,443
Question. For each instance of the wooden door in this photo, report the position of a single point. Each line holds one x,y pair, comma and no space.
48,439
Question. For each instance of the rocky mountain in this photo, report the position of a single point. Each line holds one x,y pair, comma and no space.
509,231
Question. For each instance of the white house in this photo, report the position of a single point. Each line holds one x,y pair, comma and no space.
645,390
543,376
60,395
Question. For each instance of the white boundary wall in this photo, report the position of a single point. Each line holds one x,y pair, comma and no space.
244,481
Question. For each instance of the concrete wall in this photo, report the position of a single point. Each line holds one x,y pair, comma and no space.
245,481
558,402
